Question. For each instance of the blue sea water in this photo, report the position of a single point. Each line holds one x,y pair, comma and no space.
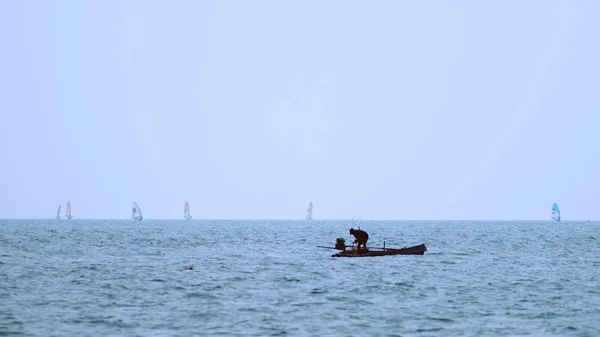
267,278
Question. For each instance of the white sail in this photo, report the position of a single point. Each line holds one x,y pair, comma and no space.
186,211
309,211
58,212
136,212
68,211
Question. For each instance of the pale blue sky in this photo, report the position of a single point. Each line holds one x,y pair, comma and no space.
251,109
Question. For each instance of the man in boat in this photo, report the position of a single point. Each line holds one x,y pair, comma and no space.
361,237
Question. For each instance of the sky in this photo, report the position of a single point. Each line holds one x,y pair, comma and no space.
408,110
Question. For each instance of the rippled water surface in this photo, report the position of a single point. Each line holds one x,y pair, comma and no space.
263,278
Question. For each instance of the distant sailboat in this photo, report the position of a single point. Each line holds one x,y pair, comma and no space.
186,211
68,211
309,211
555,213
58,212
136,213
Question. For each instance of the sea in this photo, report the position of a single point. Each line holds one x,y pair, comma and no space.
269,278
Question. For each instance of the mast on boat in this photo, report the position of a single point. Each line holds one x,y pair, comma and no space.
136,212
68,211
58,212
186,211
309,211
555,213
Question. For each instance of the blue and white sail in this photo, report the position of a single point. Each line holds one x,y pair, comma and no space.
58,212
136,212
555,213
309,211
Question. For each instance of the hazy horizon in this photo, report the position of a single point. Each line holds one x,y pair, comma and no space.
349,220
386,110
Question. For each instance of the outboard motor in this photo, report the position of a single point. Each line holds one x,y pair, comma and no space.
340,243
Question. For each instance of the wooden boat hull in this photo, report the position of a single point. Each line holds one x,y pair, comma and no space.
414,250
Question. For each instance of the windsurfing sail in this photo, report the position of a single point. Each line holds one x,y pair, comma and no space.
68,211
555,212
136,213
186,211
309,211
58,212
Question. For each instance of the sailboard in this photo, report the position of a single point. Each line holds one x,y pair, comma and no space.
58,212
186,211
309,211
68,211
136,212
555,213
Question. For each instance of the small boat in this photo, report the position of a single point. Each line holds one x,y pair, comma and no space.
414,250
340,244
58,212
309,211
